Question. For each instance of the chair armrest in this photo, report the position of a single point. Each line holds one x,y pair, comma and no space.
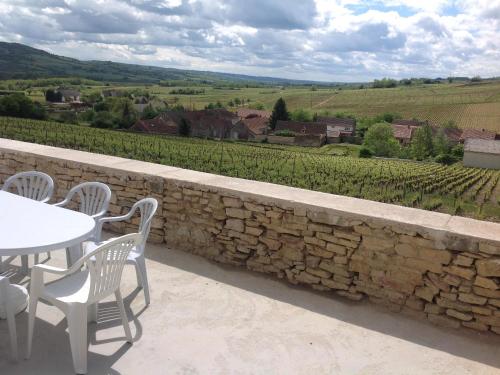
50,269
102,220
62,203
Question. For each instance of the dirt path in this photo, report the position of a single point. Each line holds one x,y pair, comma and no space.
324,101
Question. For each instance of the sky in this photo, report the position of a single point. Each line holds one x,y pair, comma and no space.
326,40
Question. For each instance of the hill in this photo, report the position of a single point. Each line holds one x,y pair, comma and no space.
19,61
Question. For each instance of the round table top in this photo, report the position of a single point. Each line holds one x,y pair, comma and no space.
28,226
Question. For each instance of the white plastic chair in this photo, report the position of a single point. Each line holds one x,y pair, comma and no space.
81,289
34,185
93,200
13,300
147,208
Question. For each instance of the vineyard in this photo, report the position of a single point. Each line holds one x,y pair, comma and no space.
452,189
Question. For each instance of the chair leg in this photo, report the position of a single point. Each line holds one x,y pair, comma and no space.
48,255
142,277
123,315
31,322
92,313
3,265
12,331
37,258
77,327
24,265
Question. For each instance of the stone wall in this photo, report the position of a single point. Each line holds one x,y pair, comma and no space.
432,266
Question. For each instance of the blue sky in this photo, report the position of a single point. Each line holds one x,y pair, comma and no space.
330,40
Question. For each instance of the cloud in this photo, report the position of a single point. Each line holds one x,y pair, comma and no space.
349,40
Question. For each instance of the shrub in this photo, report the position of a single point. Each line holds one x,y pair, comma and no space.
458,151
446,159
104,120
365,152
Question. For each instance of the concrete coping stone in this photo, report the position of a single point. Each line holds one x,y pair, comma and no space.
434,224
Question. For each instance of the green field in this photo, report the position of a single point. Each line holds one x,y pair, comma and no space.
452,189
469,105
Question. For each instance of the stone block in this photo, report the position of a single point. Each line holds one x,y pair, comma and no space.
466,273
486,283
238,213
488,267
471,298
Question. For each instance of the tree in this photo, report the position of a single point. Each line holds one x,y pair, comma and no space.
19,105
104,120
149,112
422,145
184,128
53,96
280,112
127,117
301,115
441,145
380,140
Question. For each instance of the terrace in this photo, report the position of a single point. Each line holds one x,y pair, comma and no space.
363,260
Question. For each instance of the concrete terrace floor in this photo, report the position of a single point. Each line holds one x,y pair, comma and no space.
210,319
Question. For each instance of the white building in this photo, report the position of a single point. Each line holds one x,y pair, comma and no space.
482,153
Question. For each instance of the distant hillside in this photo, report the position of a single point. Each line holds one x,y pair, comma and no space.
18,61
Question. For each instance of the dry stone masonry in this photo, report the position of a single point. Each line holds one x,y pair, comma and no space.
429,265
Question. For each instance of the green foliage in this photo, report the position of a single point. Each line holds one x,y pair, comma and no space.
19,105
450,125
257,105
285,133
187,91
365,152
216,105
441,144
384,83
53,96
301,115
87,116
280,112
380,140
458,151
104,120
149,112
446,159
422,144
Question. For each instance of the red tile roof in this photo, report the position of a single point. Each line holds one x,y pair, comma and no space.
157,125
408,122
302,127
248,113
403,131
477,133
337,121
256,125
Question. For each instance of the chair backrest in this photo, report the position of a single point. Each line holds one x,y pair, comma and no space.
105,265
34,185
94,197
147,208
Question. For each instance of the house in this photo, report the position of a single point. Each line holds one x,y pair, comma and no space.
211,123
299,127
403,133
69,95
251,128
158,125
477,134
346,126
482,153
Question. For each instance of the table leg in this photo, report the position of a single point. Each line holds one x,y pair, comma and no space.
24,265
73,253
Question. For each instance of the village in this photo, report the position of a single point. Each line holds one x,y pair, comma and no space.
156,117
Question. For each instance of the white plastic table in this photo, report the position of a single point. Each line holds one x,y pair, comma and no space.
31,227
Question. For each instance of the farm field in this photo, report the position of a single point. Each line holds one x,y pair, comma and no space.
452,189
469,105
